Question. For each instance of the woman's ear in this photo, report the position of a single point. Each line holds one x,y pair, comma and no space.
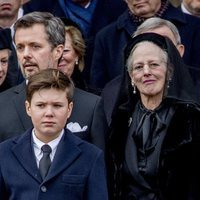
181,49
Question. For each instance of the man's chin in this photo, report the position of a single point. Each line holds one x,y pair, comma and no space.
30,73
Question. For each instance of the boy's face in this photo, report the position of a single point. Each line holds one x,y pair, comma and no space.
49,110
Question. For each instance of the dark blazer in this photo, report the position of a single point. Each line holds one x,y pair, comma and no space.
110,41
77,171
88,111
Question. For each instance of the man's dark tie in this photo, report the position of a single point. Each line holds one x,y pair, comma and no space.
45,161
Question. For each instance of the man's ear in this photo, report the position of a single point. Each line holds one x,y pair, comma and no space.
58,51
28,110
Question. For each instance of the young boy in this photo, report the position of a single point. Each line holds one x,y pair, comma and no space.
66,167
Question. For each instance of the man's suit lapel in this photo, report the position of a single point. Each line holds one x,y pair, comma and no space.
67,152
23,151
19,104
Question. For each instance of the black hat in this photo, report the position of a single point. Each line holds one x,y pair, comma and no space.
151,37
5,39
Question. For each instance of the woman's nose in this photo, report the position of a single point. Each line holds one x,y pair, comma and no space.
146,69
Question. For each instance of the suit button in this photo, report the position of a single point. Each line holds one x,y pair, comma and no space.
43,189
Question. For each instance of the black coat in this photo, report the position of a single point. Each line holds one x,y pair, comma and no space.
178,167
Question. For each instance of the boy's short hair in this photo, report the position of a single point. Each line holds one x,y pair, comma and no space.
47,79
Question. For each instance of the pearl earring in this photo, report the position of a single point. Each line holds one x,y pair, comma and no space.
76,62
168,82
134,87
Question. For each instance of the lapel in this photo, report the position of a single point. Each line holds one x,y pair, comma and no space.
66,153
125,22
19,104
23,151
131,157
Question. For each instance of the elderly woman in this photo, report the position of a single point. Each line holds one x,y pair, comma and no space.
72,61
5,50
155,139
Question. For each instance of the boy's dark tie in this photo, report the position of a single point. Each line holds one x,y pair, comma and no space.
45,161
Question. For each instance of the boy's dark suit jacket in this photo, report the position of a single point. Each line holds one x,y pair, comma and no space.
77,171
87,111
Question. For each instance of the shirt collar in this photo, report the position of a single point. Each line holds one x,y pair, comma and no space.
183,8
53,144
20,14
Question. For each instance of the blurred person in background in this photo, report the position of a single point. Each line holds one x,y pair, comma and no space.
72,62
191,7
5,51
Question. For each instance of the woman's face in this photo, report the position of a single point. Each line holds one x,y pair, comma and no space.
4,56
149,69
69,57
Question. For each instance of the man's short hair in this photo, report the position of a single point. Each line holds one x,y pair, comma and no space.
156,22
53,26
